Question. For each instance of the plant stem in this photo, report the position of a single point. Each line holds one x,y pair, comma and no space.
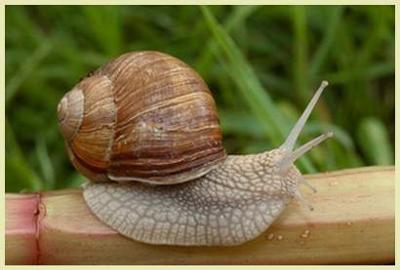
352,223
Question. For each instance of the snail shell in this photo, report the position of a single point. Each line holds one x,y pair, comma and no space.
147,116
144,116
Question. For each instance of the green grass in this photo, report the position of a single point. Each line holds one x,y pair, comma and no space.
262,63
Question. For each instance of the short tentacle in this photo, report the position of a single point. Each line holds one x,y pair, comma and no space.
300,198
307,184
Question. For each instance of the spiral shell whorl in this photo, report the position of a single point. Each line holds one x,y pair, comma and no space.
149,117
70,113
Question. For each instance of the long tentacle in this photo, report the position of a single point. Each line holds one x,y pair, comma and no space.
292,156
290,141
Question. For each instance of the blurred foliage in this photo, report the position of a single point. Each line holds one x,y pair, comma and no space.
263,63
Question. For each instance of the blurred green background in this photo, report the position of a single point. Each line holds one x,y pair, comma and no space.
262,63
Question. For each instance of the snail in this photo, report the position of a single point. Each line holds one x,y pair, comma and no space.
144,130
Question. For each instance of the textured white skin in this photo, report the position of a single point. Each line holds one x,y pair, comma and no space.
230,205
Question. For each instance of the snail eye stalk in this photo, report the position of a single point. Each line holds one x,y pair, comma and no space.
290,155
288,145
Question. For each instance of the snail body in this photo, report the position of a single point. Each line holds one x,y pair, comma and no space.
144,130
228,206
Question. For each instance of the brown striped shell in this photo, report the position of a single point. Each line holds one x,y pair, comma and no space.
144,116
